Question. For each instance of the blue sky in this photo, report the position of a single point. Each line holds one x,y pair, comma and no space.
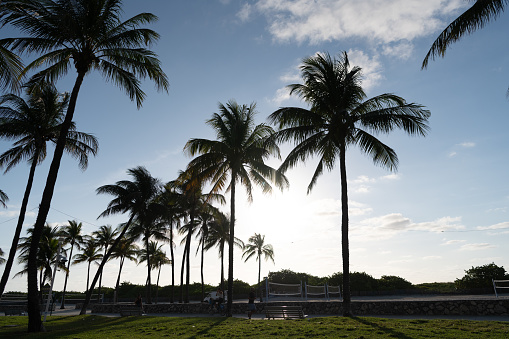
444,211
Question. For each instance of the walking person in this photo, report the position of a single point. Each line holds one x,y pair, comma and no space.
251,305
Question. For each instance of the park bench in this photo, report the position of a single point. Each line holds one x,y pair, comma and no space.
285,312
14,310
130,310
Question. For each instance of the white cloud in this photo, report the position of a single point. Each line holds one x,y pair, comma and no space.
282,95
362,179
401,50
476,247
467,144
453,242
371,68
245,12
499,226
393,176
452,154
384,21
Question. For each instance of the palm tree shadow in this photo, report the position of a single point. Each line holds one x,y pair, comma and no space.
207,330
378,327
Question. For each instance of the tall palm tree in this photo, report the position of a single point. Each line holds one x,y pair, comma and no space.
90,254
86,34
341,116
32,123
172,214
149,227
126,249
3,199
218,236
104,237
205,218
476,17
238,154
158,257
72,236
256,247
133,197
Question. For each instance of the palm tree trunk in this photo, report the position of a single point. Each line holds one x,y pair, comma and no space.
103,262
88,274
202,284
259,272
230,248
34,315
347,311
182,275
222,266
188,259
66,276
157,283
19,226
149,281
118,279
172,267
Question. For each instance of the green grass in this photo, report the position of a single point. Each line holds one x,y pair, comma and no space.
92,326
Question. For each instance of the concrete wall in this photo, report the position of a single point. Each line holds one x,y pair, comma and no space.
446,307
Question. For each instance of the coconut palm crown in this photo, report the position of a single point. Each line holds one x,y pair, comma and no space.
340,116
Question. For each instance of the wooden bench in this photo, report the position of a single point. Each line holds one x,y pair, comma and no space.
14,310
285,312
130,310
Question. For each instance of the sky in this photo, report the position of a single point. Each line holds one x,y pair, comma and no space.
444,210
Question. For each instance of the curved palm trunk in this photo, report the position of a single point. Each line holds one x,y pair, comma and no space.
66,277
19,226
149,281
118,279
103,262
230,248
101,277
172,267
34,315
88,274
347,311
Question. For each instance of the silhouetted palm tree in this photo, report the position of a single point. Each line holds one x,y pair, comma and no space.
219,235
238,155
104,237
126,249
476,17
205,218
89,35
3,199
341,116
158,257
90,254
11,69
133,197
256,247
71,235
32,124
2,259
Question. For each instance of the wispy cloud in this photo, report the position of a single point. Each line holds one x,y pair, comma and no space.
245,12
467,144
499,226
453,242
477,247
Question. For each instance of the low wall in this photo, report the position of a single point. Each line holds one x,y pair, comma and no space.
359,308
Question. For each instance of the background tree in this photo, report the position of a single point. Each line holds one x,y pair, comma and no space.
476,17
238,154
3,199
72,236
133,197
11,68
159,259
86,34
90,254
126,249
256,247
481,276
205,218
340,116
32,123
104,238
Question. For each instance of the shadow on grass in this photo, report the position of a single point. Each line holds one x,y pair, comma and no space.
212,325
378,327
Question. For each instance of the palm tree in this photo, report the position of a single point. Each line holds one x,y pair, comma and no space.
126,249
219,235
3,199
341,116
32,123
206,218
2,259
104,237
476,17
90,254
239,154
11,69
172,214
72,235
158,257
133,197
256,247
86,34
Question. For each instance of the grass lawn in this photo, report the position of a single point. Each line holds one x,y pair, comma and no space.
92,326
